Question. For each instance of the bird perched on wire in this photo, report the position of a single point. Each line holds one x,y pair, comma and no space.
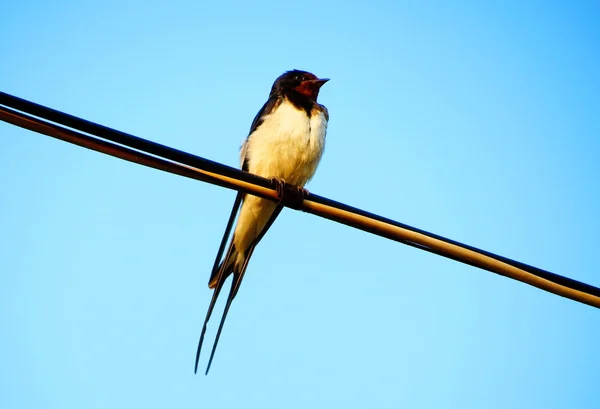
285,143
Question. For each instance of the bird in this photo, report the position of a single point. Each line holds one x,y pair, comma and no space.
285,143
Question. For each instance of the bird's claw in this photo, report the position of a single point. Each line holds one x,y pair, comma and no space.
303,191
279,187
290,195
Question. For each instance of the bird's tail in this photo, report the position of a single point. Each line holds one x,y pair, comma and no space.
226,268
234,263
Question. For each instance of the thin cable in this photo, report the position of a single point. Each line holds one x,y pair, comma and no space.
211,167
202,169
89,142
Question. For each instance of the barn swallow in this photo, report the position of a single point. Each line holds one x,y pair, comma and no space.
285,143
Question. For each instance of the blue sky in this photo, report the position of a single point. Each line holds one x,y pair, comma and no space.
477,122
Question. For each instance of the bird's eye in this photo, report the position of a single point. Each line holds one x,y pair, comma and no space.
298,78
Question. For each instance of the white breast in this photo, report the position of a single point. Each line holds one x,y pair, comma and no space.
288,144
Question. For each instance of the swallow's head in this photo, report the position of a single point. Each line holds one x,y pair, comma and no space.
301,82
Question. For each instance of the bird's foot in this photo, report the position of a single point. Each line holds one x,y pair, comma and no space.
289,195
303,191
279,187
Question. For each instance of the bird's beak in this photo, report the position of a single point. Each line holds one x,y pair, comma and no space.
321,81
318,83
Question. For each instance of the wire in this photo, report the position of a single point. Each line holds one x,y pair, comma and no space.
138,150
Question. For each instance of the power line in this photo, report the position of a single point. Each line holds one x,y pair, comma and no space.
134,149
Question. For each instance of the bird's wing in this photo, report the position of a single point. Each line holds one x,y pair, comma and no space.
234,211
269,106
325,112
218,273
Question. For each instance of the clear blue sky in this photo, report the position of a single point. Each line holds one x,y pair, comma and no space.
477,122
